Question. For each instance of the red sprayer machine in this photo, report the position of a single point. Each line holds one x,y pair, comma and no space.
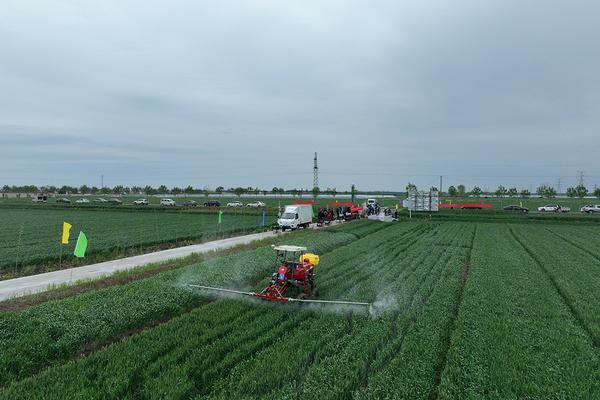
295,269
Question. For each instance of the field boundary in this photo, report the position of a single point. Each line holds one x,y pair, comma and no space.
451,328
574,312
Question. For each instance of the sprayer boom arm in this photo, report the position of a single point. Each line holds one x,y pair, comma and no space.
284,299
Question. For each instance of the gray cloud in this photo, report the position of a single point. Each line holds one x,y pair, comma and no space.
242,93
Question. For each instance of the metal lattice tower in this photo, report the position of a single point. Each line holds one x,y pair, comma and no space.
580,177
315,173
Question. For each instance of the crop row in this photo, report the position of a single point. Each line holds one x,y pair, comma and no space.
52,332
515,337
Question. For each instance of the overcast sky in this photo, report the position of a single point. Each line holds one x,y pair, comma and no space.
243,92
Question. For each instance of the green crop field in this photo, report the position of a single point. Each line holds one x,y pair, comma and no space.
30,237
461,309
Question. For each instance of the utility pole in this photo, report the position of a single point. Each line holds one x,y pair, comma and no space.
559,186
101,181
441,185
315,173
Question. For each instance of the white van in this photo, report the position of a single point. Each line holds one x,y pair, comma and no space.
167,202
295,216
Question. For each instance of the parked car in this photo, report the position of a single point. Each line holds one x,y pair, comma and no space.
82,201
140,202
63,200
190,203
167,202
256,204
235,204
114,200
590,209
100,200
212,203
40,198
553,208
516,207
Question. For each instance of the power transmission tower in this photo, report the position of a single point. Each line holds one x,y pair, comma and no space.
558,185
580,176
315,173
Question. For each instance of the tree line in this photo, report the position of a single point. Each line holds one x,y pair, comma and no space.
545,191
163,189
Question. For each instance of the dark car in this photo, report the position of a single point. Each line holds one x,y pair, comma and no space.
212,203
63,200
190,203
115,201
515,207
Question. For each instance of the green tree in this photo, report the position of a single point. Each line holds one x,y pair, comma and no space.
118,189
597,192
136,189
84,189
410,187
93,190
525,193
105,190
581,191
149,190
452,192
176,190
476,191
219,189
188,190
512,192
571,192
162,189
501,191
462,190
316,191
239,191
546,191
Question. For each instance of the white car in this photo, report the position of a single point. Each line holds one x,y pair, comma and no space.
256,204
82,201
140,202
167,202
553,208
590,209
235,204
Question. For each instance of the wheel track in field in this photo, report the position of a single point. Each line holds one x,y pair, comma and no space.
574,244
353,271
395,340
406,272
389,273
579,319
348,256
451,327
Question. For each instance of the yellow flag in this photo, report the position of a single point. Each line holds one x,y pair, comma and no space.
66,232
